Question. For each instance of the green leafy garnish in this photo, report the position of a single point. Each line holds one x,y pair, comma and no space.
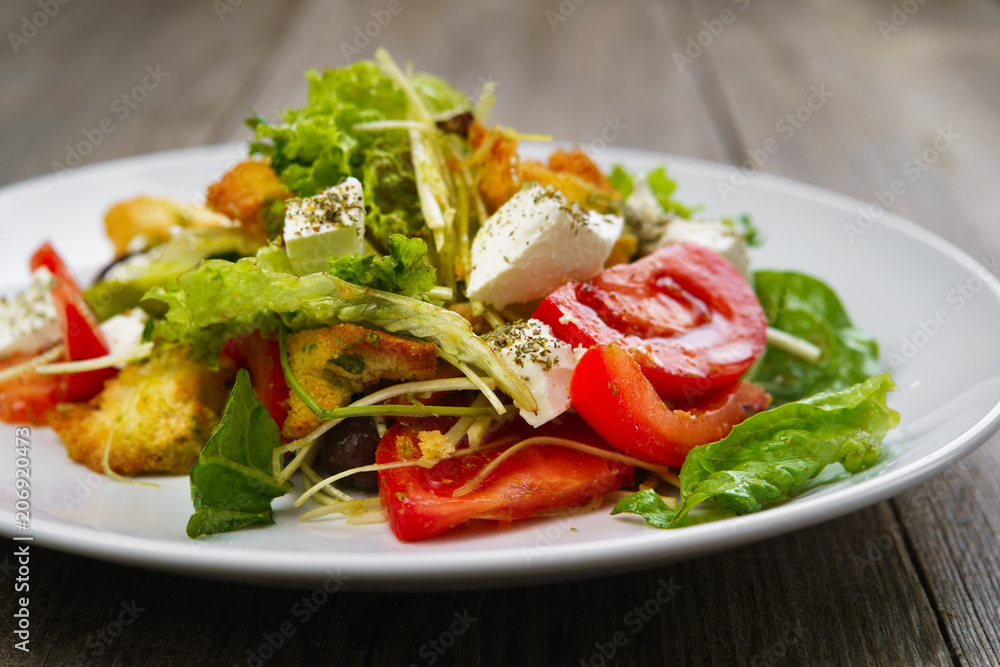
221,299
663,189
233,482
402,271
777,450
744,226
621,180
806,307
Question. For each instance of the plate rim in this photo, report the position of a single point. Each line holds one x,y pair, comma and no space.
506,566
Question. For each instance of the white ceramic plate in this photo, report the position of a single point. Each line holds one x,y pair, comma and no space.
894,278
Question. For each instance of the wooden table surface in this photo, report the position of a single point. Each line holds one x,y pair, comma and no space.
897,73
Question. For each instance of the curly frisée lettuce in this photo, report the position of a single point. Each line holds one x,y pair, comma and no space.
315,147
402,271
221,299
233,481
777,450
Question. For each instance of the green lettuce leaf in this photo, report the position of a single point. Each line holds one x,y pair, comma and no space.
402,271
125,283
222,299
777,450
663,189
621,180
315,147
233,483
806,307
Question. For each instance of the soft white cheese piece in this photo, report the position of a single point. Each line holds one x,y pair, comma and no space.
331,224
534,243
124,332
28,321
544,362
657,228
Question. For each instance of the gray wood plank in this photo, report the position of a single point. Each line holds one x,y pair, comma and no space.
567,82
937,70
63,92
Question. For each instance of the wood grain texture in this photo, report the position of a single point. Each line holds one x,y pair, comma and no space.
910,581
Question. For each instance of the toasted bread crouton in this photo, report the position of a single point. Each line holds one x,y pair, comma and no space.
245,193
502,172
575,175
155,416
335,363
152,218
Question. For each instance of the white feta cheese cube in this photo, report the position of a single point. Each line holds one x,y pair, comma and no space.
544,362
534,243
331,224
28,321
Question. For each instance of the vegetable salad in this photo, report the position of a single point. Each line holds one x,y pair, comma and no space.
386,301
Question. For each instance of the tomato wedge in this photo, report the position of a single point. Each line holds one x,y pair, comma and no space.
28,398
262,359
82,338
685,314
610,392
418,502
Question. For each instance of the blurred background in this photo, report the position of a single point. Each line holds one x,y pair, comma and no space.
849,95
704,79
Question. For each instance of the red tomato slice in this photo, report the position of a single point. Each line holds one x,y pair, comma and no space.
262,359
418,502
685,314
28,398
47,256
82,338
610,392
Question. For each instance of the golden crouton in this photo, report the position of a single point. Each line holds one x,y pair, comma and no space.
245,193
155,416
152,218
335,363
576,176
502,173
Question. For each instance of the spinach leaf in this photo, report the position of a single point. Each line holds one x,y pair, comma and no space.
806,307
777,450
233,482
